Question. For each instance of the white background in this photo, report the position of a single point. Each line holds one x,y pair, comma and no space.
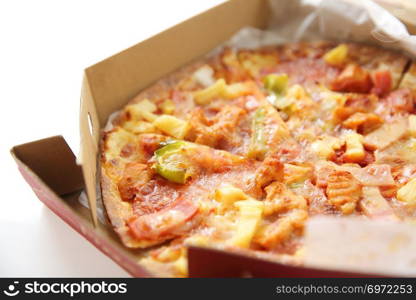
44,46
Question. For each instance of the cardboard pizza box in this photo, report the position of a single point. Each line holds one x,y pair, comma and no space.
51,168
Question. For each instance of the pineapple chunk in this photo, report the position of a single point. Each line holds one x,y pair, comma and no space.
250,215
116,140
412,125
221,89
169,254
236,90
218,89
407,193
228,194
138,127
337,55
322,149
171,126
296,99
297,92
325,146
181,266
137,110
148,116
276,83
248,205
167,107
355,149
294,173
254,63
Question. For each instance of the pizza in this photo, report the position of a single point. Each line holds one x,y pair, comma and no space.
239,150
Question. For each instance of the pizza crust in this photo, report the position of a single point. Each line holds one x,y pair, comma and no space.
118,212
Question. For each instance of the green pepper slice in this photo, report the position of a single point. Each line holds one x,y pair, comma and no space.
276,83
170,162
258,143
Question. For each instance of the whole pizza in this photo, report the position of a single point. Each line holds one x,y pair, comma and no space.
238,150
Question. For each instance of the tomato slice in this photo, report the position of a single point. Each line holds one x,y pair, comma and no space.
167,223
382,81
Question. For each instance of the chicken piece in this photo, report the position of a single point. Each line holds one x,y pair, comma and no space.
270,170
280,199
364,103
225,124
322,171
352,79
228,66
292,214
220,132
135,175
282,229
363,123
343,191
296,173
199,130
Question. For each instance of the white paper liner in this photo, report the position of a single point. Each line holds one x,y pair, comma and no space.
343,20
368,246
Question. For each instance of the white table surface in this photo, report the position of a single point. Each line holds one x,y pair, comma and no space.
44,46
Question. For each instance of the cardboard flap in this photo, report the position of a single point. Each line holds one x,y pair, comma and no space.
50,168
53,161
89,133
208,262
